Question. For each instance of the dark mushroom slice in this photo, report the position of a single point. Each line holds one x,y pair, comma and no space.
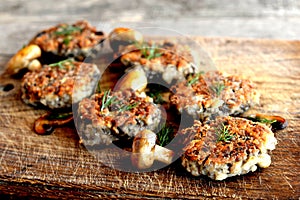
227,146
205,96
276,122
59,85
45,124
78,40
108,116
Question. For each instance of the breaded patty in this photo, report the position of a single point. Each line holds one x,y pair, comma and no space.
213,94
109,116
227,147
76,40
161,61
54,85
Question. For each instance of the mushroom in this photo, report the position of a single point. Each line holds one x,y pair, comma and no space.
26,58
145,150
122,37
276,122
134,79
46,123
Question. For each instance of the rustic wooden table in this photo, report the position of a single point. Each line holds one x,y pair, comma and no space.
56,166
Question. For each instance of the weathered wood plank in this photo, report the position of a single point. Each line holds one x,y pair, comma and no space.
56,165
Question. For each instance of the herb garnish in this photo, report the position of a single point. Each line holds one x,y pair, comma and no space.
148,52
107,100
156,96
61,64
194,78
67,30
67,40
127,107
217,88
223,133
262,120
59,115
165,135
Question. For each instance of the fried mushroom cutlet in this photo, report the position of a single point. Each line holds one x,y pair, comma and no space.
207,95
109,116
64,40
59,85
227,147
162,61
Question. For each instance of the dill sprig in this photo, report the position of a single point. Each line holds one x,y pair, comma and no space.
262,120
107,100
55,115
156,96
67,40
124,108
61,64
194,78
165,135
148,52
267,121
217,88
224,134
67,30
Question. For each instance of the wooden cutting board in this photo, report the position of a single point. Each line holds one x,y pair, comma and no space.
56,166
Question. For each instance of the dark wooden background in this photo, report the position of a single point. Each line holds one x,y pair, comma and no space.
55,166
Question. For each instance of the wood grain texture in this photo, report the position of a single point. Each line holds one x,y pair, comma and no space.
56,166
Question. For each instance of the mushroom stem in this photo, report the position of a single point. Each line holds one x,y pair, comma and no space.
145,151
163,154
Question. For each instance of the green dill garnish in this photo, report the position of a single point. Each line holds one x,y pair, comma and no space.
67,30
223,133
61,64
59,115
67,40
107,100
98,89
262,120
156,96
165,135
267,121
217,88
148,52
127,107
194,78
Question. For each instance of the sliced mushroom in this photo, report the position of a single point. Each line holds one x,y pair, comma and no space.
276,122
26,58
122,37
134,79
145,151
47,122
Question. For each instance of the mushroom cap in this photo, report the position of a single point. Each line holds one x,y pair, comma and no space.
25,58
134,79
123,36
143,148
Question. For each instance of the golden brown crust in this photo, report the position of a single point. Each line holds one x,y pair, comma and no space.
247,147
67,39
169,62
114,119
213,93
53,86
